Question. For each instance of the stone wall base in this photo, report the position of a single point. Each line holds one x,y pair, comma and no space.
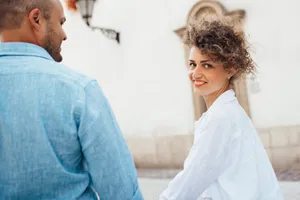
281,143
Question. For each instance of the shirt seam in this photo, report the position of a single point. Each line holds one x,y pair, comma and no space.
95,119
57,77
26,55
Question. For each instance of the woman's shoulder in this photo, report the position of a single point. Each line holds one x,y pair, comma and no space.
222,113
229,112
232,117
224,117
214,120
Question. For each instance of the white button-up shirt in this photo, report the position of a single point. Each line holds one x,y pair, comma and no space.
227,160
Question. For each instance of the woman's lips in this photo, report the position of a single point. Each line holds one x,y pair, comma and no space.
199,83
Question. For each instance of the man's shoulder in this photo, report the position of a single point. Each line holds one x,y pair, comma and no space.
34,61
66,74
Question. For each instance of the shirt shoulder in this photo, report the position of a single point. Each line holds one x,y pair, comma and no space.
66,74
217,116
220,121
45,70
227,112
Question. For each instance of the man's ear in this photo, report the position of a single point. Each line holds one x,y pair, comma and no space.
35,18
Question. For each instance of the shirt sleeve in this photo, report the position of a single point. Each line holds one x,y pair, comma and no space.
205,162
104,149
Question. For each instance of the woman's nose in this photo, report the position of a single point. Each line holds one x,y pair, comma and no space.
197,71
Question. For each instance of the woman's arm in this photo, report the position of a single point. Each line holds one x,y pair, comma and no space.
205,162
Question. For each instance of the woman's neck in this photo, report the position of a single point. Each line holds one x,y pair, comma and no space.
211,98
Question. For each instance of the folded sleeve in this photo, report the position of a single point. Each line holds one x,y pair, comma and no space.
205,162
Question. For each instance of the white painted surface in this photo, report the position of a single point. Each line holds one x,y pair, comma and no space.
145,77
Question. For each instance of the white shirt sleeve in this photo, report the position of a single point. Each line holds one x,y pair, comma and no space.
205,162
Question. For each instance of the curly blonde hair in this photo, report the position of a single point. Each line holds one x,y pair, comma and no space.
221,40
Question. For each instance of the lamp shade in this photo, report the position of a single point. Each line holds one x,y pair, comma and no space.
86,8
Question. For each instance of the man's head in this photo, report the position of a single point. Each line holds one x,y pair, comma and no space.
34,21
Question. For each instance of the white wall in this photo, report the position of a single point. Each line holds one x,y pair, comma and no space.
273,28
145,78
273,31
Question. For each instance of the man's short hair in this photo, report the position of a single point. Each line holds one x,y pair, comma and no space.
12,12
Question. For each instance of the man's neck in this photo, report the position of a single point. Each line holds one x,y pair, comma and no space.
14,35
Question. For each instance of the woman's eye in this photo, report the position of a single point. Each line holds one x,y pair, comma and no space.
192,65
207,66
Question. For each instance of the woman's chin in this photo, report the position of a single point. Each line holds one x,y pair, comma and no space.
200,91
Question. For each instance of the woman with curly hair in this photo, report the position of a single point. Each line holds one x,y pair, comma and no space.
227,160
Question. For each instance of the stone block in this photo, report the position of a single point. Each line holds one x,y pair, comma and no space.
163,151
180,147
279,137
269,152
265,139
284,158
294,136
143,151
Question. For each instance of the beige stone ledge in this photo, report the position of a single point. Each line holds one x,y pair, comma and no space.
265,138
294,135
143,151
269,152
285,158
282,145
279,136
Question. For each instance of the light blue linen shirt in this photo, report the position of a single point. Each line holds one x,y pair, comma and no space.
58,136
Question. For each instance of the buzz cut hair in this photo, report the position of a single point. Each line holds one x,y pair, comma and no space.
13,12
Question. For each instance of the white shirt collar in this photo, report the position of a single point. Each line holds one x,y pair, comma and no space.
225,97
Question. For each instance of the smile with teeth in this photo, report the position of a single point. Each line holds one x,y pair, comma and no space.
199,83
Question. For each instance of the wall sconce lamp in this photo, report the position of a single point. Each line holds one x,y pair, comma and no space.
86,8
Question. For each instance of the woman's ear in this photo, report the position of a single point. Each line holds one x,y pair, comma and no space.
231,72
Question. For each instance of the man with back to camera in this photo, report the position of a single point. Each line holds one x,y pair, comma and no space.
58,136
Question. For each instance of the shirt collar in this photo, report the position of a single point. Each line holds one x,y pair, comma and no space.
227,96
23,49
